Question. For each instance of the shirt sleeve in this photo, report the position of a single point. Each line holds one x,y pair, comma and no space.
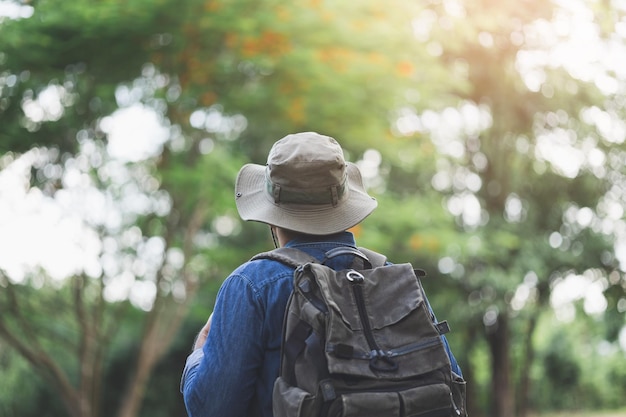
455,366
220,378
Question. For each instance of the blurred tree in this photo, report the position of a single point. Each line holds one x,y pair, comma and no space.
78,53
528,214
223,84
430,99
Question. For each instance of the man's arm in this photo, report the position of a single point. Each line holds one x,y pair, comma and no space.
219,378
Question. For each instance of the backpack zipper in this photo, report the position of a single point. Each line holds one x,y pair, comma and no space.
423,344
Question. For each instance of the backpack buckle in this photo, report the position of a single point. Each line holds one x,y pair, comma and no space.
355,277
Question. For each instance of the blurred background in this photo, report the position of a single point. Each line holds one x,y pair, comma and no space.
491,132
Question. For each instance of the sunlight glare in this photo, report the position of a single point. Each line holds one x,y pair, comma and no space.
31,224
588,288
48,106
134,133
13,10
555,147
558,44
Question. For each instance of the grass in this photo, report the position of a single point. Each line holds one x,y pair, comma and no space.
592,413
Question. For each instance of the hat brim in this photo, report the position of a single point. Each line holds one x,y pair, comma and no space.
255,204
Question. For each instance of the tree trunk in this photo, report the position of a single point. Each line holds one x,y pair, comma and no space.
502,403
527,361
50,371
87,349
161,327
471,335
136,390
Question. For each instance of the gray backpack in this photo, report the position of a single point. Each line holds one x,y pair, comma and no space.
361,342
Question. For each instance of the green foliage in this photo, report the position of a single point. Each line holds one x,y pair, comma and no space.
575,370
17,388
351,70
561,368
62,34
62,44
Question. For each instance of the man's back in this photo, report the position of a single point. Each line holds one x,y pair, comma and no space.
247,322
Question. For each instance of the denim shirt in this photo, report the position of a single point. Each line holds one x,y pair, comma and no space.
233,374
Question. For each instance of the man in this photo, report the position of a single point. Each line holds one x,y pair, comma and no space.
309,196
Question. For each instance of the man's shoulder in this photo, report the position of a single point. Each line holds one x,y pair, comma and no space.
290,256
262,270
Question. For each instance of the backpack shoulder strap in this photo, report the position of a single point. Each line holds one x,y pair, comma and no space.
289,256
296,257
376,259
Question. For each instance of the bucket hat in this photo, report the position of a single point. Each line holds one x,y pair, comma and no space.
306,186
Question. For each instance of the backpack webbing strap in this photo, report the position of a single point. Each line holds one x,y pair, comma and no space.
288,256
296,257
376,259
349,250
292,346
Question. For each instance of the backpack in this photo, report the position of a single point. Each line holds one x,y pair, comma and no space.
361,342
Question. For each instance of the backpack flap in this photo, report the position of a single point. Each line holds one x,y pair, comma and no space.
379,326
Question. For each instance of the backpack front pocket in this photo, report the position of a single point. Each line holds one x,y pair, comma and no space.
366,404
290,401
425,401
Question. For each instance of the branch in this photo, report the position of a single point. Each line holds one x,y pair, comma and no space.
162,322
27,345
42,362
87,349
